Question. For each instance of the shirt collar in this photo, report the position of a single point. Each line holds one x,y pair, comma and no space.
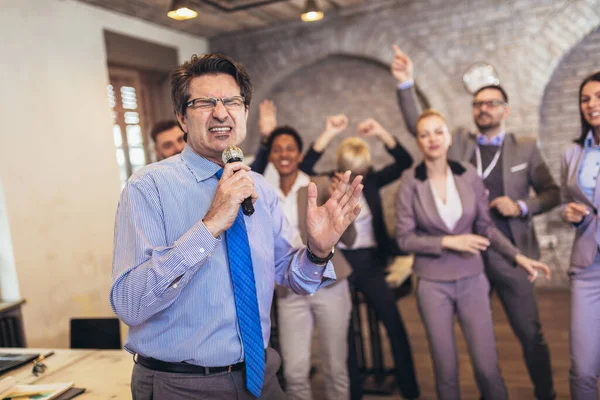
198,165
589,140
497,140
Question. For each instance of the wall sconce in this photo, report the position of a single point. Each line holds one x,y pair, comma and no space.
181,10
311,12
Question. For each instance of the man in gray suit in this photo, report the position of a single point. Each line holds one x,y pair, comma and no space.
509,166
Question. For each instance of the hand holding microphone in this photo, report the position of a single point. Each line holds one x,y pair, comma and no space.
235,189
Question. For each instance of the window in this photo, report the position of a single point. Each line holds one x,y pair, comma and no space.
129,121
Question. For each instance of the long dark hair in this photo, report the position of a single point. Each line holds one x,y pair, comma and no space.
585,126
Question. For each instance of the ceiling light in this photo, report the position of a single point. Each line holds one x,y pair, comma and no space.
311,12
181,10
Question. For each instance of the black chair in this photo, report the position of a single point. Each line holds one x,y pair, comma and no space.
95,333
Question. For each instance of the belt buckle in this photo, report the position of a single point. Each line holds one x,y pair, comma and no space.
229,369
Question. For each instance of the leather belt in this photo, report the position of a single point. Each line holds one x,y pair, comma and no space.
184,368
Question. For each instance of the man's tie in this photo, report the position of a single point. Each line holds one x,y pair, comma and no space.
246,303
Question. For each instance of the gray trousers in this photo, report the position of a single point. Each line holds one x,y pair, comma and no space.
329,310
468,298
518,299
147,384
585,332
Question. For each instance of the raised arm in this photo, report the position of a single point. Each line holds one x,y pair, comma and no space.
402,158
267,121
334,125
403,70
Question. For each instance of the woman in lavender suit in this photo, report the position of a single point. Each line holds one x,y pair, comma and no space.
442,217
580,193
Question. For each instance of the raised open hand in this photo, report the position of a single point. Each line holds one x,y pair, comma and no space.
326,224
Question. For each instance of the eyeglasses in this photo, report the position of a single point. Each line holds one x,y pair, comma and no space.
489,103
206,104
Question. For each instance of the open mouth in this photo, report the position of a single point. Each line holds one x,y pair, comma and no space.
220,129
284,163
594,114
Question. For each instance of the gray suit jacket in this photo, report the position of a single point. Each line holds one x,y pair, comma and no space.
340,264
585,246
419,227
522,167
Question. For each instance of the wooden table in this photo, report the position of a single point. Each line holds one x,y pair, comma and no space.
106,374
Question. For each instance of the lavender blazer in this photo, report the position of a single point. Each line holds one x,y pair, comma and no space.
419,227
585,246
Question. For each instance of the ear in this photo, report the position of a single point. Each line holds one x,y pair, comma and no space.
506,112
182,119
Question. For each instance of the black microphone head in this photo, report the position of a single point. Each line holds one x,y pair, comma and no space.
232,154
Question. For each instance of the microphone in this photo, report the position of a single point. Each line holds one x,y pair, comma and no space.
235,154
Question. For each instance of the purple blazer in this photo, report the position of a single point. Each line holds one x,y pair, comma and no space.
419,227
585,246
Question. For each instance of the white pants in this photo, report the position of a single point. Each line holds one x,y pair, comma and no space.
329,310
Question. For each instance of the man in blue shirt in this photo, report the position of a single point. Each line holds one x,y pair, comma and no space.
192,277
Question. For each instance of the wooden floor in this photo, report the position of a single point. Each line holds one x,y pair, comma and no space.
554,310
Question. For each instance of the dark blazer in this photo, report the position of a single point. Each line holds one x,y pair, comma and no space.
585,246
522,167
419,227
373,182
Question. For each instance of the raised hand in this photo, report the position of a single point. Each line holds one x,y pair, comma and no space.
371,127
326,224
334,125
267,118
575,212
402,66
468,243
533,267
235,185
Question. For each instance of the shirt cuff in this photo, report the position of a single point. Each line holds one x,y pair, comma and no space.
197,244
406,84
523,207
315,273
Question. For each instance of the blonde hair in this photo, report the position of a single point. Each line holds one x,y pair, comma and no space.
354,155
430,112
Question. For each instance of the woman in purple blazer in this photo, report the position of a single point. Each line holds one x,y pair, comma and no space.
580,192
442,217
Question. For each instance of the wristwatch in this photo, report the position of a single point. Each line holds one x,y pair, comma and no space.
317,260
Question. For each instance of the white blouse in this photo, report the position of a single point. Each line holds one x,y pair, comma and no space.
452,209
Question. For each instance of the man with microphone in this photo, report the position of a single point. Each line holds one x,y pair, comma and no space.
193,276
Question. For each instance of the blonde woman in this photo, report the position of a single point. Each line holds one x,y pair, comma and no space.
443,218
373,246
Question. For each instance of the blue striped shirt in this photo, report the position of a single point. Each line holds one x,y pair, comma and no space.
160,237
589,167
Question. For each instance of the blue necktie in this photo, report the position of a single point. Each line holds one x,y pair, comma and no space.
246,303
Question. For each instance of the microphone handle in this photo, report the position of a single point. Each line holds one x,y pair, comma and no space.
247,206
